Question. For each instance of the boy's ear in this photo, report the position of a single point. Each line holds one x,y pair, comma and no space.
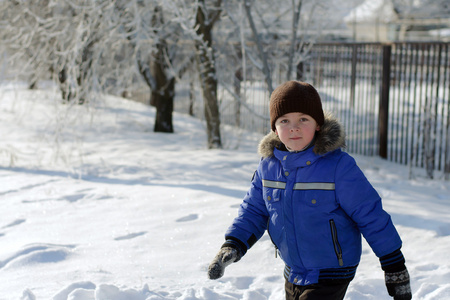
318,128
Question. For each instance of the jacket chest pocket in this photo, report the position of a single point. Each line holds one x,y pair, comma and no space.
272,195
316,194
272,190
317,199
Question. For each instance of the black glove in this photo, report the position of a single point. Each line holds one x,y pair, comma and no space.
398,285
225,257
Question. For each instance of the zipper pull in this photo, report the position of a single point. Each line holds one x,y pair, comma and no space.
341,261
276,252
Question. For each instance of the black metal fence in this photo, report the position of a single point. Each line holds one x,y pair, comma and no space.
393,99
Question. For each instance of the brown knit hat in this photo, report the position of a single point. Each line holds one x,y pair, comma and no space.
295,96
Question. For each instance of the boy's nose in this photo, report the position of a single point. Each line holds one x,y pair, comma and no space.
295,127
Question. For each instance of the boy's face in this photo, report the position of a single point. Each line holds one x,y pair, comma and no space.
296,130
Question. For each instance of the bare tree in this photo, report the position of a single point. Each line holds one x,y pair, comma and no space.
204,22
262,53
197,19
164,91
144,23
64,40
283,34
295,21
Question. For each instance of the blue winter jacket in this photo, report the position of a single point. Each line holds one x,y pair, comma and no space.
315,205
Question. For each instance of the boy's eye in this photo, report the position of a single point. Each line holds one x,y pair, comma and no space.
284,121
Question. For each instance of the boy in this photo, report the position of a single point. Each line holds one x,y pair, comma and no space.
315,203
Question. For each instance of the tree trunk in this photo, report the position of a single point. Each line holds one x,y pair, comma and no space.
83,75
205,61
162,86
65,88
237,90
163,93
191,96
164,108
209,91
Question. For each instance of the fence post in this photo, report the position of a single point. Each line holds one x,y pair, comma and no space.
383,114
353,75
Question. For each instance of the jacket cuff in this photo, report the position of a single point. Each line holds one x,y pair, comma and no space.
393,262
236,244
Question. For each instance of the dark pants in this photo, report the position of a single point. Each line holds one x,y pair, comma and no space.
315,291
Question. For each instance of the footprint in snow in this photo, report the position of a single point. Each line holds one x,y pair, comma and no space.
444,230
130,236
74,198
37,253
188,218
14,223
430,267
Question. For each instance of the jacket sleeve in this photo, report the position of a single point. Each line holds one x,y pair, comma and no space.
251,222
363,205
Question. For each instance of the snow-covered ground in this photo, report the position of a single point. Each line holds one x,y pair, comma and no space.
94,205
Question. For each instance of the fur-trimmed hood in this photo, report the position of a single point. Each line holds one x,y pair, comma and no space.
331,136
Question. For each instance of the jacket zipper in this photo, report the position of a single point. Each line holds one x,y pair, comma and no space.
337,246
276,248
